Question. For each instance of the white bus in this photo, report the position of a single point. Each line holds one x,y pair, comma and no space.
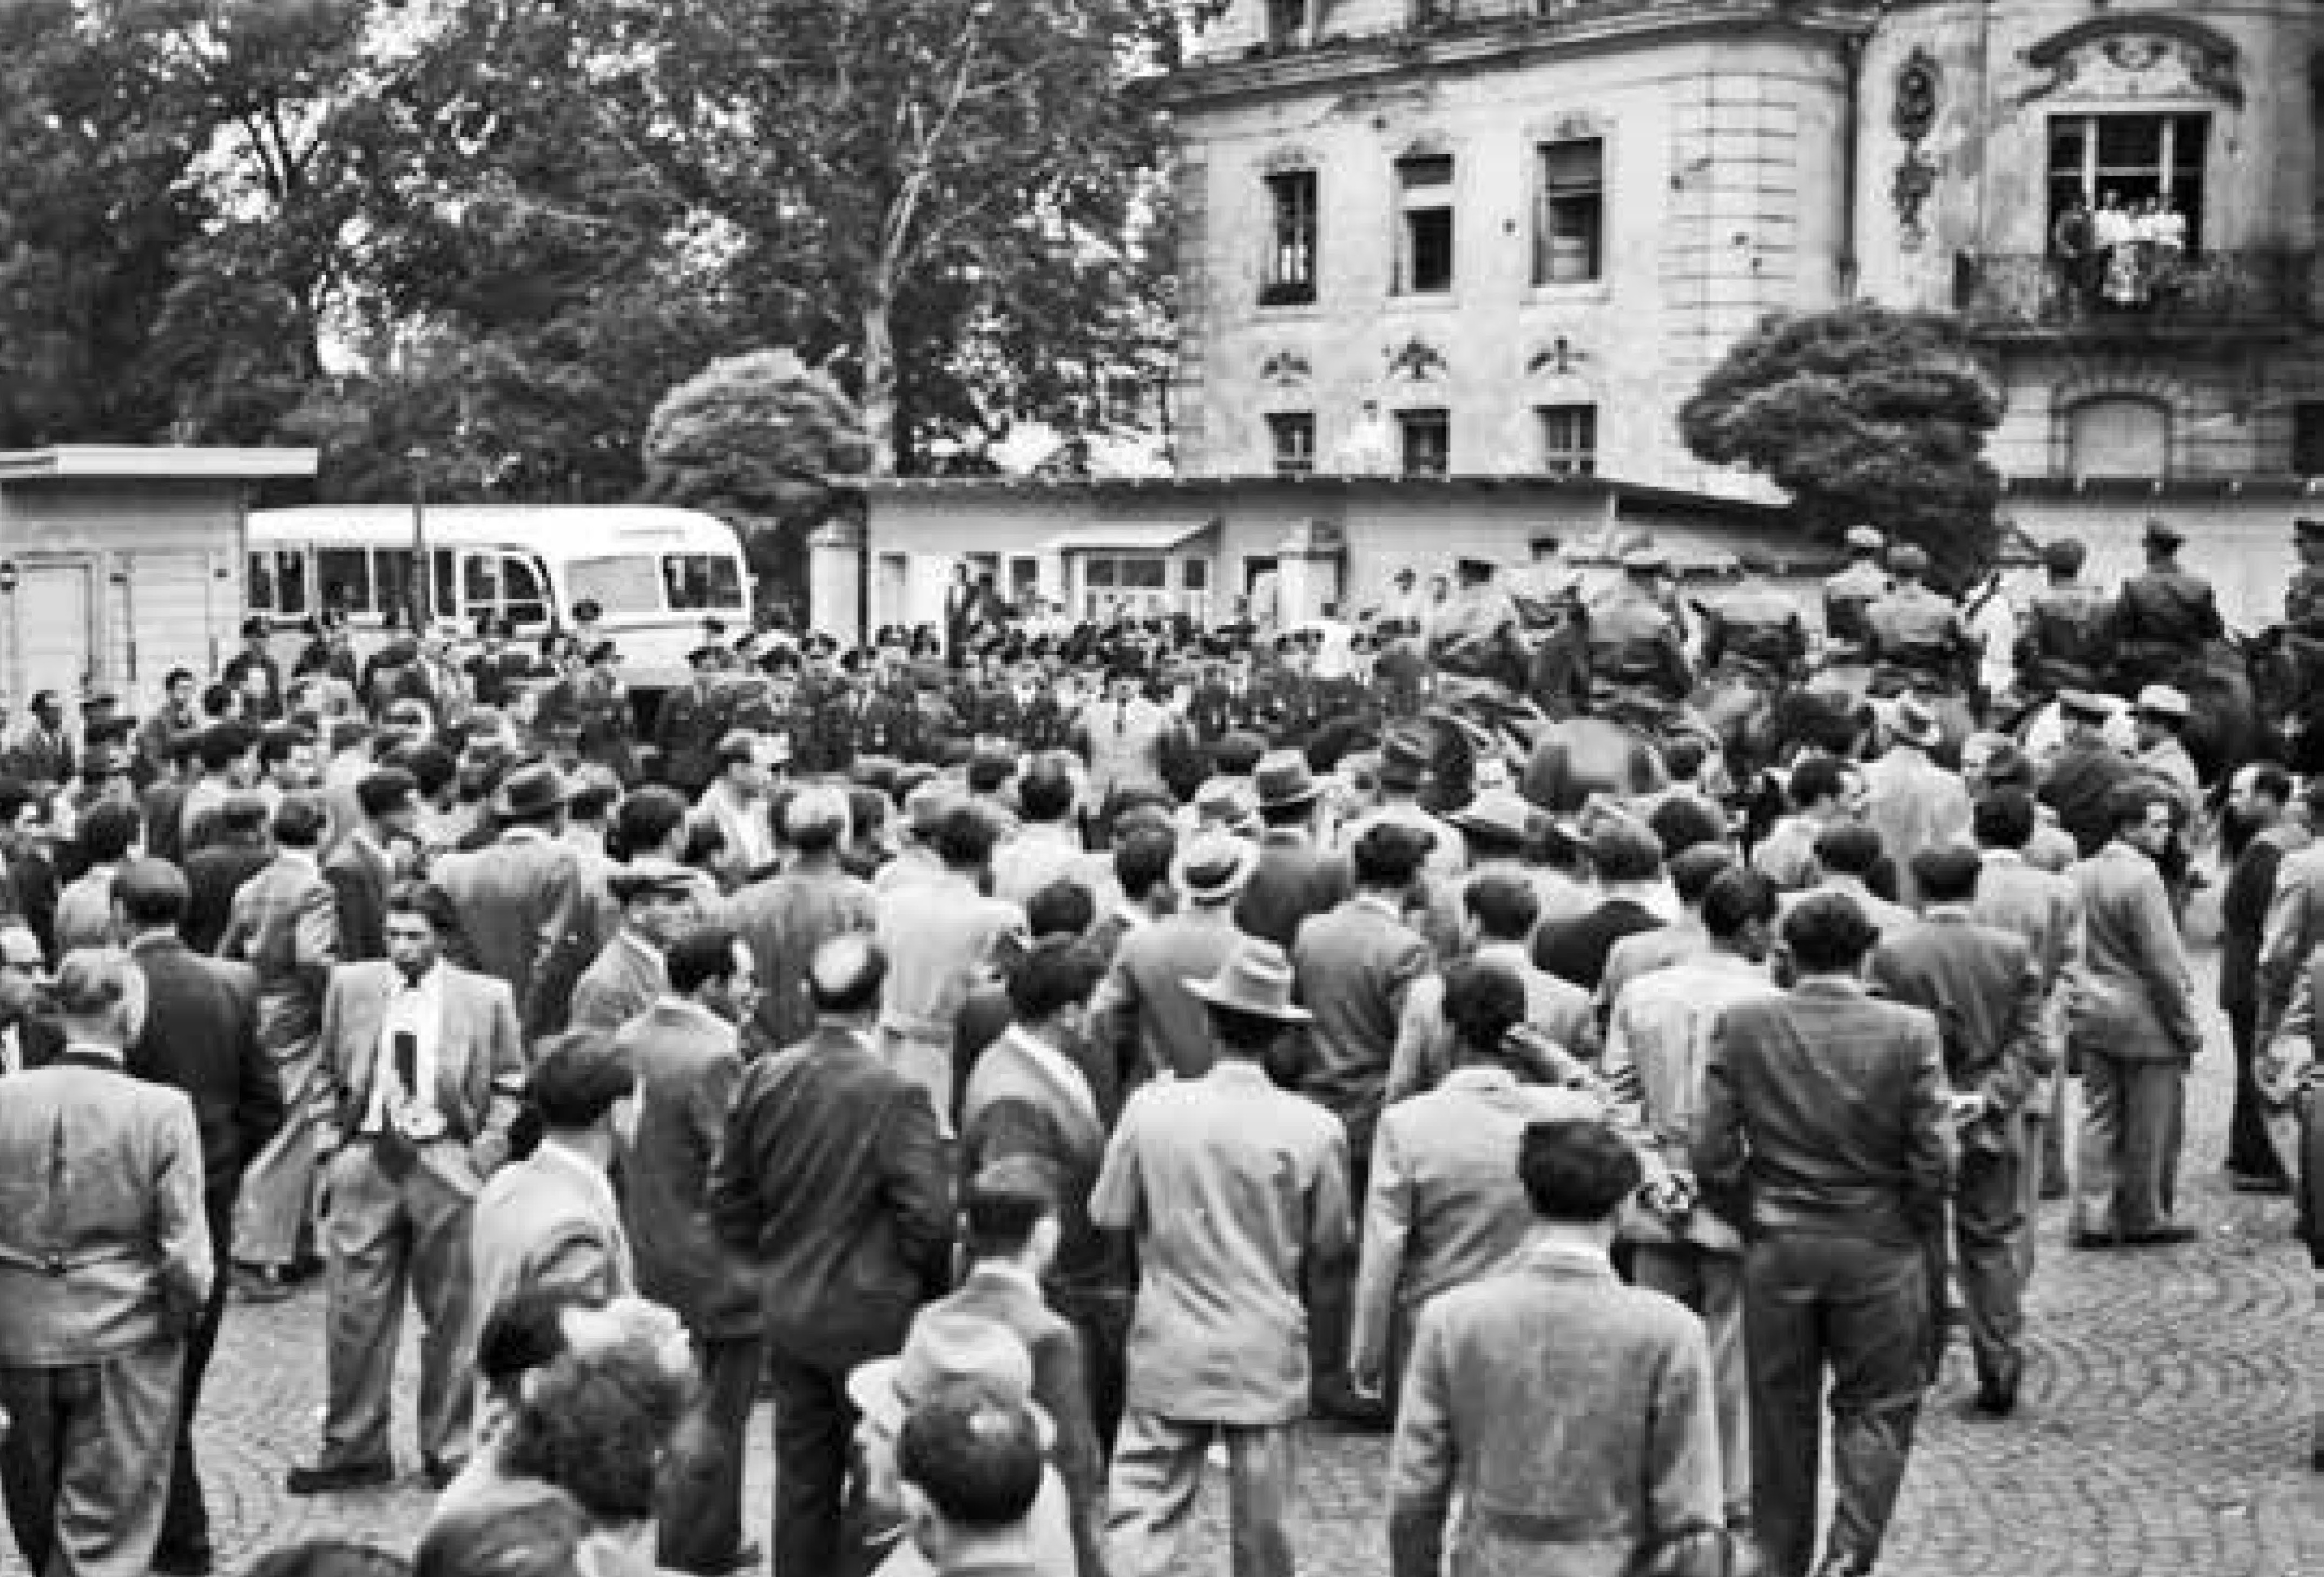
656,573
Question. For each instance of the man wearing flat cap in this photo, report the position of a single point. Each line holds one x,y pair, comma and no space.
2164,617
1846,596
660,901
2066,640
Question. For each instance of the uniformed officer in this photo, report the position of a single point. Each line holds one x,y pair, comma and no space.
1849,596
2064,643
693,719
1476,633
2163,618
604,729
1754,630
2304,599
1637,653
1919,640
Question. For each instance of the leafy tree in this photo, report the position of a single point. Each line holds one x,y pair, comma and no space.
903,169
1864,416
759,440
93,209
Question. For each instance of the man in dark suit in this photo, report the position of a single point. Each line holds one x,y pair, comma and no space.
1295,878
1822,1128
421,1076
1985,990
831,1180
685,1049
520,898
362,868
200,1035
215,873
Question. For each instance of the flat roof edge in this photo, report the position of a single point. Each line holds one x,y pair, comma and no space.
129,462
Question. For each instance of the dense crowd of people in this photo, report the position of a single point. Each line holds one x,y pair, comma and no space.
1047,1066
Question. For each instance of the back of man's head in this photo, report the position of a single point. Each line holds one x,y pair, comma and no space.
1735,898
1388,854
1576,1171
975,1454
152,893
1848,848
519,1529
1045,793
1693,870
2003,819
1828,932
1504,905
1002,1206
1061,908
1947,874
579,1080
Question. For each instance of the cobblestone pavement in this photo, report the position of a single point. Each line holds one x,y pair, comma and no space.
2161,1432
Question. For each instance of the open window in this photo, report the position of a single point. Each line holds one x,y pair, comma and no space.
1570,218
1293,237
1426,441
2130,162
1291,434
1425,244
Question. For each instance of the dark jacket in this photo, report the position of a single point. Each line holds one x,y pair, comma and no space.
831,1178
213,876
359,885
688,1065
2076,787
1575,950
1295,879
1985,991
1822,1112
202,1037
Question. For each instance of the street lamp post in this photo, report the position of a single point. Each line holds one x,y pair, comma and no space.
415,591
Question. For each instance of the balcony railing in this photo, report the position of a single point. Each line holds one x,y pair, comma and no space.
1418,21
2028,292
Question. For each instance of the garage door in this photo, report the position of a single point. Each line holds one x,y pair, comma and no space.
168,623
54,642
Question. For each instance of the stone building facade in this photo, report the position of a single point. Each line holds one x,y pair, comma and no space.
1509,236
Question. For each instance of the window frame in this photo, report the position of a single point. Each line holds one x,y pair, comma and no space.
1435,201
1577,456
1282,424
2092,180
1550,200
1413,423
1295,232
2309,444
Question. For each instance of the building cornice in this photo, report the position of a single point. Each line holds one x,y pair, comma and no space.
1602,25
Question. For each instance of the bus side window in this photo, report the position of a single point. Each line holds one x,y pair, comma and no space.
446,603
522,585
346,577
290,580
261,583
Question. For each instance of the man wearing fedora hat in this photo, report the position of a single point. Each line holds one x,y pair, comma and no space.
1913,803
1146,1013
522,898
1218,1346
2164,617
1294,878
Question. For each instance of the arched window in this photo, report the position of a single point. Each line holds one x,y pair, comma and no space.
2119,435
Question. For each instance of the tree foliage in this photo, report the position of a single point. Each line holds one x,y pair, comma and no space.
498,232
1864,416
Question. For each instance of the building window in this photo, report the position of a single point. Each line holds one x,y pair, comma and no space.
1024,584
1194,575
1425,249
2137,160
2119,435
2308,438
1293,435
1568,230
1286,21
1569,439
1291,256
1427,441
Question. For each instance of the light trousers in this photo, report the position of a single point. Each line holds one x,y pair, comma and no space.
1711,1285
279,1186
1157,1470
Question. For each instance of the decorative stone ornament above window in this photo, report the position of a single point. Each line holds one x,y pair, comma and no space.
2138,55
1418,360
1285,367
